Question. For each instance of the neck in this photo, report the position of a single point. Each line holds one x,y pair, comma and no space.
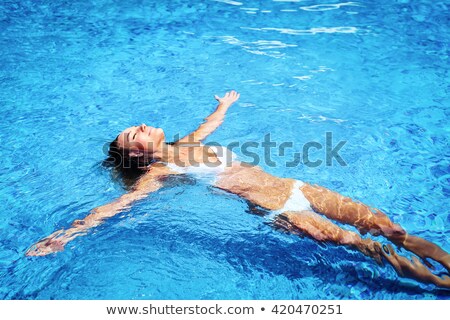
173,153
166,153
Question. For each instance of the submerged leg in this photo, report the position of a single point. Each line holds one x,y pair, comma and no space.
367,219
423,248
413,269
321,229
343,209
315,226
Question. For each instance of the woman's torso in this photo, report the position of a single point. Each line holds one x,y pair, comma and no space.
218,166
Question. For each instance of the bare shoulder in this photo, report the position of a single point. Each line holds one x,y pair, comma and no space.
152,178
159,169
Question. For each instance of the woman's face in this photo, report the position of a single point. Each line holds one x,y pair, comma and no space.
141,138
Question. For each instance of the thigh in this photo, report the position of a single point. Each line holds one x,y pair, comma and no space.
343,209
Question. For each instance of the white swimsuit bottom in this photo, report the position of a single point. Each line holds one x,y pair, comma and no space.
296,202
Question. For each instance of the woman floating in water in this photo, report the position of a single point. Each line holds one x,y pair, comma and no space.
299,207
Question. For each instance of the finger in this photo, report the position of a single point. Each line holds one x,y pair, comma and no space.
216,97
56,234
32,251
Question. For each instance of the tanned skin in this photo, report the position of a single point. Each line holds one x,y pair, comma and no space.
265,190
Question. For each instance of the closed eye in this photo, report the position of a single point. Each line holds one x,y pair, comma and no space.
134,136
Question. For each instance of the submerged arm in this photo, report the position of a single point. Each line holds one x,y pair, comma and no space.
213,121
149,182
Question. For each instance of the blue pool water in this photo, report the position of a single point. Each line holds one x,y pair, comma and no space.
73,74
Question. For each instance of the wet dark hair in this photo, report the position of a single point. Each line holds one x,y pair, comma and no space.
125,169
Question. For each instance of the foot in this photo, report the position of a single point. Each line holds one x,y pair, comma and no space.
413,269
424,249
371,249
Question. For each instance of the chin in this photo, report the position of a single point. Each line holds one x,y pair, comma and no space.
161,135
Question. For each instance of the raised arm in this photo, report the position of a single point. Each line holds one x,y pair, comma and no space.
213,121
149,182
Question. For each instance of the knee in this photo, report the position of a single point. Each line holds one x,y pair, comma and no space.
349,237
392,230
382,225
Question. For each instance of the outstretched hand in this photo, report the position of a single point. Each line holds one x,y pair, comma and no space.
57,240
229,98
48,245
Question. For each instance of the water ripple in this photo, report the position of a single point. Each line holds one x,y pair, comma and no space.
233,3
326,7
311,31
259,47
78,72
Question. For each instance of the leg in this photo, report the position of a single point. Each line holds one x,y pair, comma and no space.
315,226
423,248
367,219
413,269
345,210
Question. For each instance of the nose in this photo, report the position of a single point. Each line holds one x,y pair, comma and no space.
142,127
